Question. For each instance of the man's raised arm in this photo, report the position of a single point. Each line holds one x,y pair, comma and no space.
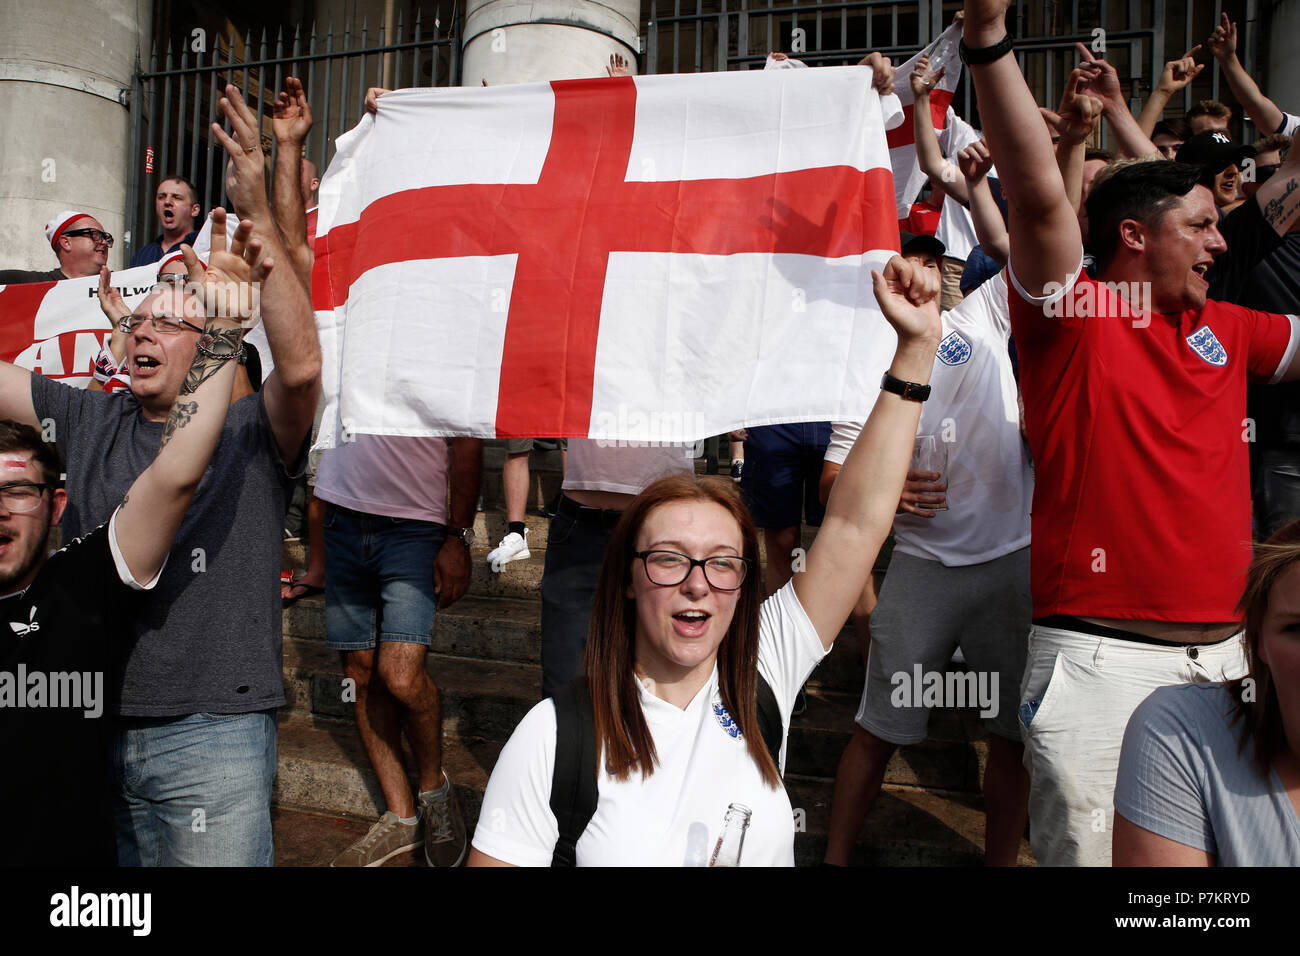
293,388
150,515
1044,234
1262,111
291,123
928,154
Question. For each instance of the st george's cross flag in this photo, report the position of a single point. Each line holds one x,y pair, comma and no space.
653,259
908,178
57,328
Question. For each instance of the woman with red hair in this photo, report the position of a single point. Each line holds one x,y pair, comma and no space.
682,641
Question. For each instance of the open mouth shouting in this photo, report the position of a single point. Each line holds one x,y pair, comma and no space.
691,622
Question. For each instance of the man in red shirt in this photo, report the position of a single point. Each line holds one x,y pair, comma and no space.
1135,400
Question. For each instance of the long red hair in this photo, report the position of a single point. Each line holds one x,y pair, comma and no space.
611,642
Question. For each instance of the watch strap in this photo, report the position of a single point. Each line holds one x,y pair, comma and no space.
912,391
985,54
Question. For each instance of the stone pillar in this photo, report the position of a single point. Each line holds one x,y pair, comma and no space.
64,65
1283,79
518,41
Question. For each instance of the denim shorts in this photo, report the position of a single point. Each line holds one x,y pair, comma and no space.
783,470
378,578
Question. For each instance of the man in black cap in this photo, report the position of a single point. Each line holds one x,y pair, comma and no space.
1218,154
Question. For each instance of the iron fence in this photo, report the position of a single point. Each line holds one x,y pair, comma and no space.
175,101
1137,36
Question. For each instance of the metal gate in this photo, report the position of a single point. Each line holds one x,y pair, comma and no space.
1138,37
175,102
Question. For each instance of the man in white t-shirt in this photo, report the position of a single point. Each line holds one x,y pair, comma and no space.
600,479
395,553
958,578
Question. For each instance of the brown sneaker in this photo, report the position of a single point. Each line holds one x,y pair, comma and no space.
445,843
387,838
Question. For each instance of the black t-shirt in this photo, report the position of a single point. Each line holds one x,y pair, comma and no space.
19,276
1250,240
1274,286
56,672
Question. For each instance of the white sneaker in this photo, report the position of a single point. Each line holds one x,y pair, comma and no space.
513,547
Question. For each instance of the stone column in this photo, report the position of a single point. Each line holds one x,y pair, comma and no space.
517,41
64,65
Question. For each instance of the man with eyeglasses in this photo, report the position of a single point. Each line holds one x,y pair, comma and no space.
201,683
71,611
80,243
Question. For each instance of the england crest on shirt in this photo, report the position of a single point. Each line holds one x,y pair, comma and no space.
724,719
1205,344
954,349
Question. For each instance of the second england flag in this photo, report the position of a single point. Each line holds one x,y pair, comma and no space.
650,259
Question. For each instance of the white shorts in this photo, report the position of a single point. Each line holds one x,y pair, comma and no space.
1078,693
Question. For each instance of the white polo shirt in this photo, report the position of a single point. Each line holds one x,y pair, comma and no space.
673,817
973,407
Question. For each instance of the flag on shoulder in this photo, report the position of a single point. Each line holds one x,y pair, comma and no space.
655,258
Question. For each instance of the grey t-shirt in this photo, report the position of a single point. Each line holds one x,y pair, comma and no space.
1182,776
208,635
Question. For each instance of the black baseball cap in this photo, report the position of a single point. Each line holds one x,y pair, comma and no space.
1215,150
911,242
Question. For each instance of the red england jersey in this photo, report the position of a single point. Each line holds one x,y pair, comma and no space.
1137,423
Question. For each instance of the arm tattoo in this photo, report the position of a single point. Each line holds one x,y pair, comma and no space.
1274,211
180,416
205,366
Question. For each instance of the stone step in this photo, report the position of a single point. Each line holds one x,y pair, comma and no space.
326,796
487,699
322,766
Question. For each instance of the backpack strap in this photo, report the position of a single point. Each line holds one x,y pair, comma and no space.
769,721
573,781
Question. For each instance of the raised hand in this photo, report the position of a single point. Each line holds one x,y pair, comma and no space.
1080,110
291,116
246,171
1223,41
908,295
975,161
110,300
229,284
617,65
1100,77
924,79
882,72
1178,73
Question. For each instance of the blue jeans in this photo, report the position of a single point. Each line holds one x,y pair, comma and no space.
575,551
195,790
378,578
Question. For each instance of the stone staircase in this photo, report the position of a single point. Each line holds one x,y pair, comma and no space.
485,661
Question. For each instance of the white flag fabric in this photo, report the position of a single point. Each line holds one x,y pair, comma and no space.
908,178
654,259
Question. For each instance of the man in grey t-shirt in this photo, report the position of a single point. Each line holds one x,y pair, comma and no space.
195,749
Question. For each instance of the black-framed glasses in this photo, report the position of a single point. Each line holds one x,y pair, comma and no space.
725,572
22,497
94,235
161,324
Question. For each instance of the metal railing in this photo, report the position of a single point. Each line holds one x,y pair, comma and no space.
175,101
1139,37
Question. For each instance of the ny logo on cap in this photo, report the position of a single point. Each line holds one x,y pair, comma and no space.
1221,138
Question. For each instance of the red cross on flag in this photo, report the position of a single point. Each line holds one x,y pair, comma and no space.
651,259
908,178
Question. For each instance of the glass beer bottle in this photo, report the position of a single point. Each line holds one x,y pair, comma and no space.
732,840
